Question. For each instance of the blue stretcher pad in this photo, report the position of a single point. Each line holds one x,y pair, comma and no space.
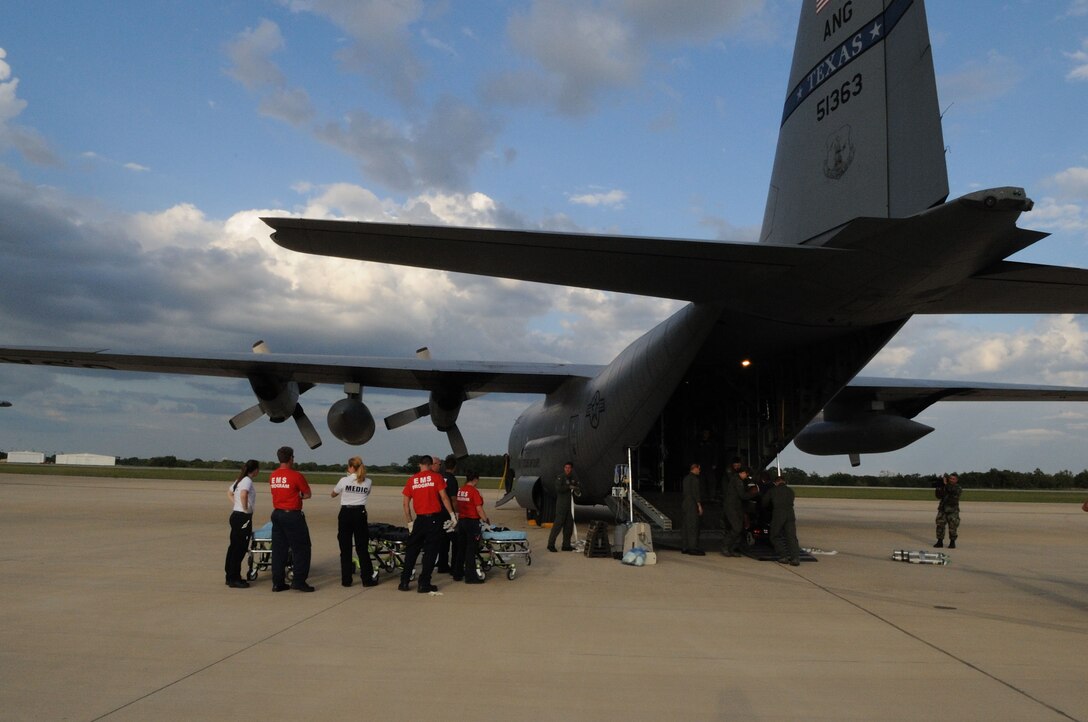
264,533
507,535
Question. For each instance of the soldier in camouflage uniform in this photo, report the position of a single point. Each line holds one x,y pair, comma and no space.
948,510
783,528
734,493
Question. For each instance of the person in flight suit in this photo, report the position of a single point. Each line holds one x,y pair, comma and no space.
566,487
783,527
948,510
289,530
691,508
734,493
470,510
425,493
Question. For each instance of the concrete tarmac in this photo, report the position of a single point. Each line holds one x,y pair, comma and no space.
114,607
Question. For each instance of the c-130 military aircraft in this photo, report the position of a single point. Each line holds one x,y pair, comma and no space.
857,237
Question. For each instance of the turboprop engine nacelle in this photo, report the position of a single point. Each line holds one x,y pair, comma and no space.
872,433
351,421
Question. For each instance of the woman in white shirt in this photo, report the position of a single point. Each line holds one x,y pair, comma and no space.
243,497
351,524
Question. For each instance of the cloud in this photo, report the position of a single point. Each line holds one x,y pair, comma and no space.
380,33
982,81
27,141
614,198
1080,63
579,52
1052,351
438,152
251,65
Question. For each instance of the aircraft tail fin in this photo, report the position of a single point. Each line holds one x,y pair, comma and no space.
861,127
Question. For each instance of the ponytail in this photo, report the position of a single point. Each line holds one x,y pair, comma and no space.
360,468
248,468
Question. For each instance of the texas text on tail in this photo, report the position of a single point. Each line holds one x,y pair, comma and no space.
857,237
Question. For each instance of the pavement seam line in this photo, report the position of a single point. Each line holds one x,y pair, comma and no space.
933,646
235,653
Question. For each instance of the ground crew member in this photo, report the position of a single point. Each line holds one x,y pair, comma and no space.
425,492
948,510
243,497
734,494
783,527
470,512
691,508
289,530
352,524
566,486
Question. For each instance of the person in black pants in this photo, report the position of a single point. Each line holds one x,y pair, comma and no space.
243,497
351,523
470,512
424,493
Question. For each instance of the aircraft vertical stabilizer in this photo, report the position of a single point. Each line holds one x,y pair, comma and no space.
861,128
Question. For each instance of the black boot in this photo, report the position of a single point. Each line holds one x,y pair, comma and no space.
939,544
952,543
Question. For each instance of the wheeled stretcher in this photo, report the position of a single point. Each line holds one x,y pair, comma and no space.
503,548
260,553
387,547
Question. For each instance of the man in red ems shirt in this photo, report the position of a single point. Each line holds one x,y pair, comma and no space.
289,529
470,507
427,493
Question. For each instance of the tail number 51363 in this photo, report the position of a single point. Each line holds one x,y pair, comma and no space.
838,97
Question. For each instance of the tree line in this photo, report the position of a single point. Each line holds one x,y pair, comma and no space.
493,465
483,464
992,479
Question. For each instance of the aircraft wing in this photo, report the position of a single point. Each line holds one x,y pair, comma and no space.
1010,287
396,373
909,397
666,268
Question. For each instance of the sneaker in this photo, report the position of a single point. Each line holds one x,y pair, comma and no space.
303,587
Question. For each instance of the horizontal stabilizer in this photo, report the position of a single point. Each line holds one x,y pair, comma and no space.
626,264
1010,287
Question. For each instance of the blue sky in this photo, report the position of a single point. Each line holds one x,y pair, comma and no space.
139,142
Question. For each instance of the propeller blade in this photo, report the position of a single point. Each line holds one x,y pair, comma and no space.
423,353
306,427
457,442
261,347
246,417
399,419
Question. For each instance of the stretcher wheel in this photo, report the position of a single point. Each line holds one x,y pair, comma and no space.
486,566
528,560
511,573
251,575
